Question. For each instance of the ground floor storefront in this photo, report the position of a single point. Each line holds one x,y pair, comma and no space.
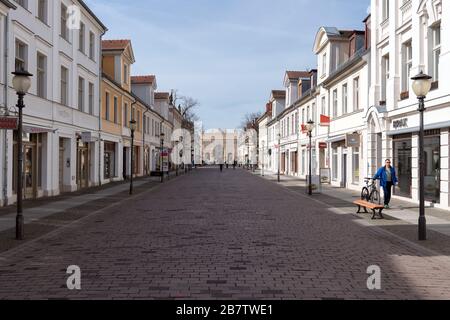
55,160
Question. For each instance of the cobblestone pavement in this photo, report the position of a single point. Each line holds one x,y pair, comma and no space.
230,235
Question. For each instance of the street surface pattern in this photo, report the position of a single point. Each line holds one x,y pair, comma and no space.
213,235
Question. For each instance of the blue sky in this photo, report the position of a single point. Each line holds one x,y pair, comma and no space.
228,54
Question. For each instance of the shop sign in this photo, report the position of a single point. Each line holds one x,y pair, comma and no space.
399,124
9,123
353,140
323,145
86,137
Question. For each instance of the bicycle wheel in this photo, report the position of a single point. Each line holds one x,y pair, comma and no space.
375,197
365,194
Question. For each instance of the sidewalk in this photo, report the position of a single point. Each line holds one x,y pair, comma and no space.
47,214
401,219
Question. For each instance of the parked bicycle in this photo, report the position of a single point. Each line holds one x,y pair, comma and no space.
370,191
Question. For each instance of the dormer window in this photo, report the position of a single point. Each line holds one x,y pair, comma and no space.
125,73
324,64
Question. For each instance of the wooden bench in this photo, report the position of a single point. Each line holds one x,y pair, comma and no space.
376,208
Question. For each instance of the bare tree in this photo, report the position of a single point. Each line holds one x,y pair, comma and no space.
250,120
186,106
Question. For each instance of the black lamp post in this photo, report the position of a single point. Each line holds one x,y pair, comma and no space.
263,158
421,86
247,140
162,157
176,164
279,157
133,129
310,128
21,83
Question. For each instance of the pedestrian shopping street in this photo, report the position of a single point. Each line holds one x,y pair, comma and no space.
213,235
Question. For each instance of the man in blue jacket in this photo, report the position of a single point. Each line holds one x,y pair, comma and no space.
388,179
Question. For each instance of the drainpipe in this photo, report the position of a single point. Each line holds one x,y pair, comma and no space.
6,112
100,59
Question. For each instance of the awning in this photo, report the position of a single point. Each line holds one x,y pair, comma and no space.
336,138
37,129
433,126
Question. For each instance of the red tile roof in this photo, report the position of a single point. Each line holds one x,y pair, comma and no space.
298,74
115,44
162,95
150,79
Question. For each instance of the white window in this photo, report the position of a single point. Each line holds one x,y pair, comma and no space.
107,102
42,10
21,56
385,9
324,107
335,164
64,86
81,94
356,98
324,64
384,77
116,110
91,45
64,30
125,115
407,65
125,73
436,52
41,75
335,103
308,114
314,112
81,38
344,99
91,98
23,3
355,166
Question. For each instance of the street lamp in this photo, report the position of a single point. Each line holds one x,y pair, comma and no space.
133,124
263,157
279,157
162,158
421,86
247,140
21,83
176,164
310,128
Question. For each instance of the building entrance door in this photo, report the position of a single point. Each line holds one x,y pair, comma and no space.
61,164
403,165
29,171
344,171
83,166
433,168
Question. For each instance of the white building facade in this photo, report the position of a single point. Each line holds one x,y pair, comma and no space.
61,118
363,107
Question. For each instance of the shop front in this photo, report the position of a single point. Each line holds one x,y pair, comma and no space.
32,164
109,160
404,157
83,164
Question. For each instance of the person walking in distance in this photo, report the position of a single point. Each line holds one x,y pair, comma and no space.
388,179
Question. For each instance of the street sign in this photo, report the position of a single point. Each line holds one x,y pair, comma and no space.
9,123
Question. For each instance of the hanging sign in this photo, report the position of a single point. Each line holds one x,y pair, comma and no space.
9,123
